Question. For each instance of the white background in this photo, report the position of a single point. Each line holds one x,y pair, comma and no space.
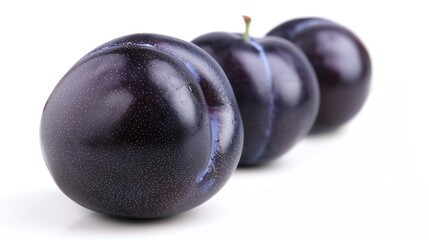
368,180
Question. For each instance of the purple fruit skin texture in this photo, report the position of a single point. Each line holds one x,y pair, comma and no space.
341,62
145,126
275,87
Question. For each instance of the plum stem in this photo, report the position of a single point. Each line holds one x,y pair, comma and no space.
247,21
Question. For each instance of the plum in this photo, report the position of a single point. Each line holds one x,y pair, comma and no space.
341,62
275,87
144,126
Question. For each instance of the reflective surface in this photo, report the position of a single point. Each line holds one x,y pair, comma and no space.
137,128
275,87
341,62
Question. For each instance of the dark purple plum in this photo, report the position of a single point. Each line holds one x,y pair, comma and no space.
341,62
275,87
144,126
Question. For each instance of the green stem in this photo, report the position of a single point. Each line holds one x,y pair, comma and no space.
246,35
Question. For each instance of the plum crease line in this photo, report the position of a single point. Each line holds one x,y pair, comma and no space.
269,77
215,145
214,127
306,24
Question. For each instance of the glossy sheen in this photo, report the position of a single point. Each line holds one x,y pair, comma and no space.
341,62
275,87
144,126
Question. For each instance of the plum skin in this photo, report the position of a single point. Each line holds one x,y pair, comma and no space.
275,87
341,62
144,126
